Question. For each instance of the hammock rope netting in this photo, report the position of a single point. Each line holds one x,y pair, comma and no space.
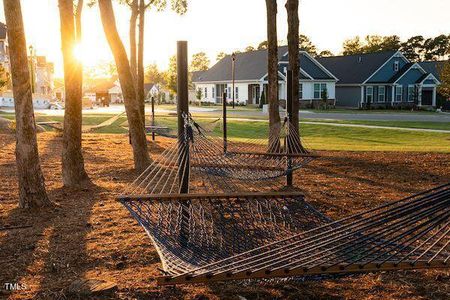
235,223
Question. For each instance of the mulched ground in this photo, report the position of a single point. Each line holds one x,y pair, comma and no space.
90,235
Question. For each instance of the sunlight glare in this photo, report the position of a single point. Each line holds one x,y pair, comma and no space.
89,57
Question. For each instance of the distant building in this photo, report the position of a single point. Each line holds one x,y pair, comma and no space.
382,79
43,79
42,73
251,79
4,50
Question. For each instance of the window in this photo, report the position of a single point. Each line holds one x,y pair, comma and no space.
398,93
381,94
236,92
316,90
323,88
213,94
396,66
319,88
411,93
229,94
369,94
300,91
206,93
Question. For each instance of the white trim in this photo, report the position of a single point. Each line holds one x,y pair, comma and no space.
432,77
367,93
415,66
362,96
395,93
267,74
306,74
384,94
348,84
396,54
256,81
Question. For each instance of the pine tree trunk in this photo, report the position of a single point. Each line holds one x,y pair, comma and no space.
294,64
31,181
272,67
73,172
140,62
127,83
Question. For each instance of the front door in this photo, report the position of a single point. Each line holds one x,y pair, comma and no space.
427,97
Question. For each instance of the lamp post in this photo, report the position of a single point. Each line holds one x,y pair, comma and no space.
31,67
233,60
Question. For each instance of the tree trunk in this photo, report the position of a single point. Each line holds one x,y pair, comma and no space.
133,21
272,67
73,172
31,181
137,133
140,62
294,64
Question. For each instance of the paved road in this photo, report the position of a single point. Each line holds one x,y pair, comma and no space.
413,117
214,111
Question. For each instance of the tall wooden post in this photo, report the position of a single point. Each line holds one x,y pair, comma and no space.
233,63
153,118
288,145
182,111
224,116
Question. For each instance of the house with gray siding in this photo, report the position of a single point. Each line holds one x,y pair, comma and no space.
251,79
382,79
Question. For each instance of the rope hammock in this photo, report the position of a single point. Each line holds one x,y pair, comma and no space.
214,211
412,233
227,229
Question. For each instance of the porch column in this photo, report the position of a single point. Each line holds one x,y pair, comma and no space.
362,96
261,90
433,103
393,95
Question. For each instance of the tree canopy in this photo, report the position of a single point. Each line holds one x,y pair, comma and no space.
200,62
416,48
444,75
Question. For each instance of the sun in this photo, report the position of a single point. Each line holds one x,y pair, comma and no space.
78,52
88,56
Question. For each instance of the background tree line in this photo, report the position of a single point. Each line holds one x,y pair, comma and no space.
416,48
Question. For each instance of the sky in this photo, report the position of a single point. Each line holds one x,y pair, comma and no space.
213,26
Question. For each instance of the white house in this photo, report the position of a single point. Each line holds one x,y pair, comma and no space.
251,79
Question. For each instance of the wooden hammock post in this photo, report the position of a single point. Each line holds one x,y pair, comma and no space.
182,111
153,118
183,143
288,137
224,116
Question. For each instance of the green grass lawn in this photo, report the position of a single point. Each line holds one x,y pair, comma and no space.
87,119
322,137
401,124
316,136
370,111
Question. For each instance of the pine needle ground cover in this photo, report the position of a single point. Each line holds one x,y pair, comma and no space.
90,235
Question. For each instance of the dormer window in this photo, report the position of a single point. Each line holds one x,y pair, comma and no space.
396,66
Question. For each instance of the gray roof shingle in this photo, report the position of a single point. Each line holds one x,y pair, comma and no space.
433,67
249,66
355,69
253,66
